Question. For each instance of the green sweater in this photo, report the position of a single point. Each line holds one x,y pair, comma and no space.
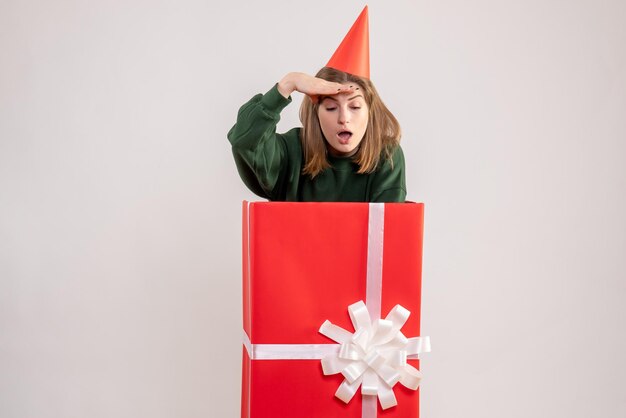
270,164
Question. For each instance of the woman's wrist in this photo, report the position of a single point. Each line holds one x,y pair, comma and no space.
287,85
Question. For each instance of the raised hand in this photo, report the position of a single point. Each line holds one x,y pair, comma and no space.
311,86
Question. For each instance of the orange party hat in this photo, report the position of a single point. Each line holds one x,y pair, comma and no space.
353,54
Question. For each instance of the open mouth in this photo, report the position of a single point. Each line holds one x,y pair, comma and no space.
344,136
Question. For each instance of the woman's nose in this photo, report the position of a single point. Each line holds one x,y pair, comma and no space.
343,116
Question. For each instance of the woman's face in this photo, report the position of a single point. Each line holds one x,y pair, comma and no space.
343,119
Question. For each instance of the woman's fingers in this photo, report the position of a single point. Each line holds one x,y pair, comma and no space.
312,86
322,87
318,86
328,88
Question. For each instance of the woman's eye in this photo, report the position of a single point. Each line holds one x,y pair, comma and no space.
356,107
330,108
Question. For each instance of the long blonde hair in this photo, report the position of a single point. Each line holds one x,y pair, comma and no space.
381,136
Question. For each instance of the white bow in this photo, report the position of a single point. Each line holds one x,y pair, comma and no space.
374,357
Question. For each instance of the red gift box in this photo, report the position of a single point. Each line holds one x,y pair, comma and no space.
305,263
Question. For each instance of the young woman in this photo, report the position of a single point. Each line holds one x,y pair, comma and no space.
347,149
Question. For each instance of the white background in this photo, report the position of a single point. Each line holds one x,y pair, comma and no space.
120,203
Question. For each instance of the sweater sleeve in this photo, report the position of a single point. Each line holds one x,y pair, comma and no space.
260,154
389,184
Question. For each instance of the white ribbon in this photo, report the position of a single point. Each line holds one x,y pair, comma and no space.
374,356
288,351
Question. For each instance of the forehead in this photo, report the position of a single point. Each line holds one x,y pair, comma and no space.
343,98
